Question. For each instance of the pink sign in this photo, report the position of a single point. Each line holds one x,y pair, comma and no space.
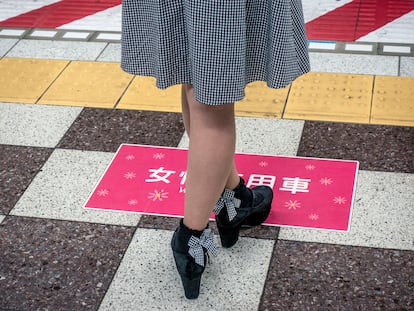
308,192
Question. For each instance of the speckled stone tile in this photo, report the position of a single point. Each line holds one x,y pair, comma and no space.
69,50
170,223
6,45
63,186
382,215
35,125
112,53
310,276
18,166
265,136
407,66
57,265
376,147
354,63
106,129
147,278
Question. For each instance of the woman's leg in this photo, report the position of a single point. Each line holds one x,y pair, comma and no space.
210,165
233,178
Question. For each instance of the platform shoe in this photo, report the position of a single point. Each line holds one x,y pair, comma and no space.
191,249
241,207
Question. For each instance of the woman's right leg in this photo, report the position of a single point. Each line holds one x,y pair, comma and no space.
233,178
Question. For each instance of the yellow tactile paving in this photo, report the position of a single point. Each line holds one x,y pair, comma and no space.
88,84
393,101
330,97
262,101
142,94
25,80
315,96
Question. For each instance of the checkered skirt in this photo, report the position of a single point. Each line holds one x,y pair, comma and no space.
219,46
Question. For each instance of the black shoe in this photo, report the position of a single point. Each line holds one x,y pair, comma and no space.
241,207
190,253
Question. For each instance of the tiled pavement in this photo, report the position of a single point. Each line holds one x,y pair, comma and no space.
55,255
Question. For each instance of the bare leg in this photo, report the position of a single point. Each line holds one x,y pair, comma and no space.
210,158
233,178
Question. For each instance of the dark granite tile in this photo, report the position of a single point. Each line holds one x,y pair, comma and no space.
312,276
106,129
18,166
377,147
57,265
170,223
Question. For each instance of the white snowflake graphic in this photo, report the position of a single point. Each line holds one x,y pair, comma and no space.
339,200
158,195
133,202
313,216
130,157
292,204
263,164
310,167
102,192
130,175
325,181
158,156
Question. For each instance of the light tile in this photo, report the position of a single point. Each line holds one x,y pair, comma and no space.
265,136
354,63
35,125
25,80
407,67
12,32
88,84
382,215
331,46
70,50
392,101
6,45
143,94
358,47
109,36
112,53
2,218
147,277
262,101
330,97
43,33
396,49
76,35
61,189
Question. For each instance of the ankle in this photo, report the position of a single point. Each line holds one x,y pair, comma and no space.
193,228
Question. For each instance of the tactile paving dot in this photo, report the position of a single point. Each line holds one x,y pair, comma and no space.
88,84
262,101
393,101
143,94
330,97
25,80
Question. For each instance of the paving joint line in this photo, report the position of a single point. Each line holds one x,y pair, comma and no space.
355,47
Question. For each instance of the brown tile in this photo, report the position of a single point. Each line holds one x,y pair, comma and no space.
57,265
170,223
377,147
106,129
18,166
312,276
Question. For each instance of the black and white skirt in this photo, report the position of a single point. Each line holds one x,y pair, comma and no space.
218,46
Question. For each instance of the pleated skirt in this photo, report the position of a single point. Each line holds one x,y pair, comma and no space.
218,46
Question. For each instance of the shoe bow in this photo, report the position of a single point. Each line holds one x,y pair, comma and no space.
196,245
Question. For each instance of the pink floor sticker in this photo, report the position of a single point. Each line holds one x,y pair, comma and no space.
308,192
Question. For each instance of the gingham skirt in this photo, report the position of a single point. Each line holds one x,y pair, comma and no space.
218,46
